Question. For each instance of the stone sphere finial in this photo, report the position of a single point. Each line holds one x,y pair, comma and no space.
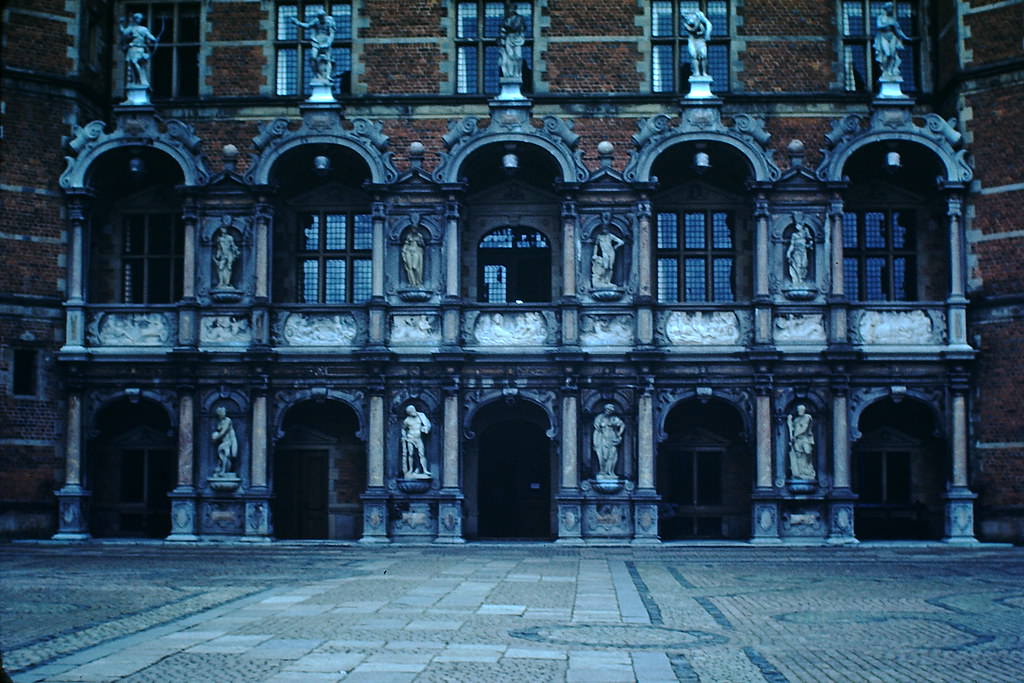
416,151
229,151
795,148
604,147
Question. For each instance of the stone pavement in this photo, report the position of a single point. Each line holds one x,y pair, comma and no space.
529,612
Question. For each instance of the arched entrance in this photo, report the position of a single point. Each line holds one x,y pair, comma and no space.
131,469
319,473
509,473
899,467
704,473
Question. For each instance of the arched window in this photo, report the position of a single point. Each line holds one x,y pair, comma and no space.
514,265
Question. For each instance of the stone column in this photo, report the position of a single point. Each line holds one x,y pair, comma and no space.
570,319
838,333
762,244
377,311
765,507
959,498
841,498
449,506
75,304
73,499
450,310
569,498
183,497
645,293
645,498
187,309
258,525
260,310
375,497
956,303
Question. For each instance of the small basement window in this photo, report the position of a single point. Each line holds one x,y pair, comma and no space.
25,372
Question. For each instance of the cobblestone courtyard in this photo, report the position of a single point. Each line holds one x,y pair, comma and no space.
507,612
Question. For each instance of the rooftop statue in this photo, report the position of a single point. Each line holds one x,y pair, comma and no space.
138,44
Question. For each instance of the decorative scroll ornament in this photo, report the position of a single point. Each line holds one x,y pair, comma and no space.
310,329
705,327
506,329
130,329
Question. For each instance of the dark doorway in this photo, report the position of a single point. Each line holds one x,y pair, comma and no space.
898,473
132,467
704,474
514,478
319,473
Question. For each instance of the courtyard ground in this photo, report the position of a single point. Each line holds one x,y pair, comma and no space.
526,612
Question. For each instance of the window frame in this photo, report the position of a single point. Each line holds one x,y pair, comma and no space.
171,44
912,51
348,254
146,258
296,40
860,255
512,274
481,42
709,252
721,36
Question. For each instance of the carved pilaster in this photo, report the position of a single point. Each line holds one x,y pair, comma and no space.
644,212
73,499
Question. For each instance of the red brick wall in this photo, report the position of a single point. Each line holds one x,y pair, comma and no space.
234,71
402,68
594,67
811,131
787,66
404,19
35,43
787,17
593,18
616,131
995,34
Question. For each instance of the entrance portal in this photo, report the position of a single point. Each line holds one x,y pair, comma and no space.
319,472
513,473
704,474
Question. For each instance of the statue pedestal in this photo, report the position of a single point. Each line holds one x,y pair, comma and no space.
801,486
510,90
136,95
801,292
321,92
607,293
224,483
700,88
414,294
889,88
415,483
225,295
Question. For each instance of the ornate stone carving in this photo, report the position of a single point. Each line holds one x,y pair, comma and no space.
415,426
606,441
808,520
138,44
511,39
313,329
225,443
849,134
225,253
606,519
129,329
895,327
225,329
801,241
655,135
507,329
602,262
413,247
703,327
322,28
888,42
799,328
606,330
414,329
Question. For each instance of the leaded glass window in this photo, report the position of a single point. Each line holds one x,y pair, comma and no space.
670,61
880,255
857,24
695,256
294,69
476,45
335,263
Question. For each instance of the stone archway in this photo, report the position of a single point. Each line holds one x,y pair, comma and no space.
509,473
319,473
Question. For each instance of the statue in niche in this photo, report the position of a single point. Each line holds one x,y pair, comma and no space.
138,44
888,42
800,242
323,29
225,254
698,28
413,247
511,39
226,442
801,444
602,262
414,457
608,429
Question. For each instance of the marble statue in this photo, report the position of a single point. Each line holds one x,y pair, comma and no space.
412,258
323,29
801,444
602,263
608,429
511,39
225,441
138,44
698,28
414,457
800,241
888,42
225,254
